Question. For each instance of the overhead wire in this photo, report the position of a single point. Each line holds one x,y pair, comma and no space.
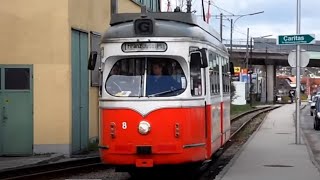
219,8
230,14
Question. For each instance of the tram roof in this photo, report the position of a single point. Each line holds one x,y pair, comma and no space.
166,24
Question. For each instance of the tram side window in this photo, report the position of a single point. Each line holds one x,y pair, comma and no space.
214,73
227,75
211,73
195,74
217,79
220,63
223,64
225,69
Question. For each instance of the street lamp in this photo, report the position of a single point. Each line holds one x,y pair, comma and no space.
233,23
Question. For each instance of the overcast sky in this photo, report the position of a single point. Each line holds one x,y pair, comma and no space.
279,17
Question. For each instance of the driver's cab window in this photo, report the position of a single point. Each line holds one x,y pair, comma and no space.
164,78
195,74
125,78
151,77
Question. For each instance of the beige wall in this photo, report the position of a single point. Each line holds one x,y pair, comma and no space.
36,33
127,6
94,15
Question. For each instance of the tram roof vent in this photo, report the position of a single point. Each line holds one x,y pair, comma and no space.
144,11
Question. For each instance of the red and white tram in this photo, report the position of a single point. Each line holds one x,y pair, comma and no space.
166,90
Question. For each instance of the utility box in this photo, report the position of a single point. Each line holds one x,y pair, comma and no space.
239,97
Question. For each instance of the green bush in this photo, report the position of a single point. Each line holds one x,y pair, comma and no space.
93,144
303,96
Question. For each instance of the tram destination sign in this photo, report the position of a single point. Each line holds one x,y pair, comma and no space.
296,39
144,47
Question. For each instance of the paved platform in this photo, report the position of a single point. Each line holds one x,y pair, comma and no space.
271,153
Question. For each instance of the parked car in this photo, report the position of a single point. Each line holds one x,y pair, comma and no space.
316,122
313,103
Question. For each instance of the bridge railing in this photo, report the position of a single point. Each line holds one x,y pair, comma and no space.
268,44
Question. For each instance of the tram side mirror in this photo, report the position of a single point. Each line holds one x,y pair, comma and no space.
92,60
231,68
204,59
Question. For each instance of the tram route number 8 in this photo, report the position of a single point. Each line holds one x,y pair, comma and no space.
124,125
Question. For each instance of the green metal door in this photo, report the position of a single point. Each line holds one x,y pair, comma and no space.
80,92
16,103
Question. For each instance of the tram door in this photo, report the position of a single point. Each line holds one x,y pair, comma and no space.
16,110
197,82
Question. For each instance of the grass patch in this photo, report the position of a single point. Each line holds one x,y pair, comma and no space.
238,109
258,103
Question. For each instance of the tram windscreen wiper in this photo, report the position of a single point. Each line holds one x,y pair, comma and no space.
165,92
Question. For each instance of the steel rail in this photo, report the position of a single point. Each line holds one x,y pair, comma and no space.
258,113
248,112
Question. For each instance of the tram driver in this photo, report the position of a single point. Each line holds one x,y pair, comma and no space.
159,83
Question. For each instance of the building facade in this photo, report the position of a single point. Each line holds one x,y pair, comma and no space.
152,5
48,99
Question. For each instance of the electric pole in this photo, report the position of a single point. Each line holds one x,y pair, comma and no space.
221,24
208,13
169,6
247,50
188,6
231,31
203,13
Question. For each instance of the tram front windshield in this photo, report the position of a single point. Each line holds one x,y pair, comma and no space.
146,77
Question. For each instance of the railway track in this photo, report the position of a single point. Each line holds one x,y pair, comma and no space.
75,166
237,125
238,122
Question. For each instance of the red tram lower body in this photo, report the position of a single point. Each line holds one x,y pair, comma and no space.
176,136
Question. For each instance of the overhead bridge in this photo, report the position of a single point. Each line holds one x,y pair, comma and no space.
265,54
266,57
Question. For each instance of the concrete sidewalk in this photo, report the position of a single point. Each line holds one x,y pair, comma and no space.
7,163
271,153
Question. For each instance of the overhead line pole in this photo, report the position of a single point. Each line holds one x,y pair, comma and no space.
208,13
168,6
203,13
221,24
247,50
250,67
298,100
189,6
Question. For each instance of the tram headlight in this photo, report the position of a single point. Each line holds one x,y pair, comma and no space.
144,127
